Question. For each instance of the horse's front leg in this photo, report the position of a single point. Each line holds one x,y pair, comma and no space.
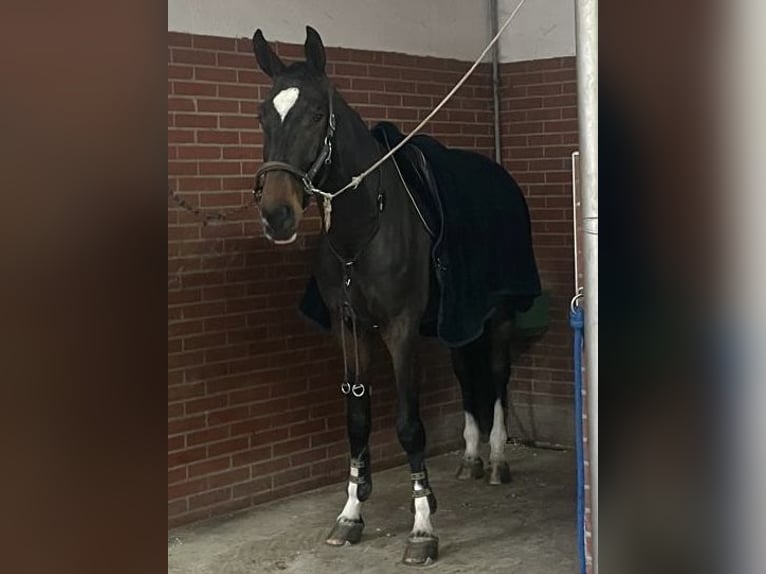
349,524
400,338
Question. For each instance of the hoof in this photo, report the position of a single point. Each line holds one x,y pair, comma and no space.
499,473
345,531
421,550
470,468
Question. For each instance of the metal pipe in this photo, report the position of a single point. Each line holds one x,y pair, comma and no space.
493,24
576,217
586,16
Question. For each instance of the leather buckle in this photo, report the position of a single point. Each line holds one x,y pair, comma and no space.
421,493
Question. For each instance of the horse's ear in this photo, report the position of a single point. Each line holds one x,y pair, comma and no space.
314,50
267,59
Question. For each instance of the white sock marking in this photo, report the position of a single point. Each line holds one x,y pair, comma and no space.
498,436
422,513
353,508
285,100
471,436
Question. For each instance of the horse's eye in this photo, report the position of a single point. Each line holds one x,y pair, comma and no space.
317,117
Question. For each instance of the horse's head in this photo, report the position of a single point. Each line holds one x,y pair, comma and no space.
295,119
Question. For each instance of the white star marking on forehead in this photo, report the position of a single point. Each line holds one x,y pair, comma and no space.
285,100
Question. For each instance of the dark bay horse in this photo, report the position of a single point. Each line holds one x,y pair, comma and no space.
373,270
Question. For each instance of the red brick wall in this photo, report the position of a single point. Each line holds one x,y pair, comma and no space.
539,134
254,407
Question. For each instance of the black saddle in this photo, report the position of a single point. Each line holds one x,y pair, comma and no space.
417,175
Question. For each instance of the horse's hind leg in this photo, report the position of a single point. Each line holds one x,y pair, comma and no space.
471,466
349,524
500,332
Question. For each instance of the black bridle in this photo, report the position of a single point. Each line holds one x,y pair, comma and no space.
305,177
309,189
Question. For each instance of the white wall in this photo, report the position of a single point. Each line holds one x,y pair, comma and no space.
445,28
541,29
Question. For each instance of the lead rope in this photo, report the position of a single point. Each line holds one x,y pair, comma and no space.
204,218
577,322
356,180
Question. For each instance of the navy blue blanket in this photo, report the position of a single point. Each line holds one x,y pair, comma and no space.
483,251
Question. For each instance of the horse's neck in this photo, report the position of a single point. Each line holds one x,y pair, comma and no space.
354,212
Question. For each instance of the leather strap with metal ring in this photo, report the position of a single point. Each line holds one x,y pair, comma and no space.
358,390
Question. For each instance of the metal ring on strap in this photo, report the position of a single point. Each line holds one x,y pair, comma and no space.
575,302
358,390
345,388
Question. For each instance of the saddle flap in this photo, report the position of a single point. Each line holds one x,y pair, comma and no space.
417,176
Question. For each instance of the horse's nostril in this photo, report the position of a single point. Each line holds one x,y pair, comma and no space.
280,218
284,215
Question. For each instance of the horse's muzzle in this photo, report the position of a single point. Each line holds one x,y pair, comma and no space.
279,224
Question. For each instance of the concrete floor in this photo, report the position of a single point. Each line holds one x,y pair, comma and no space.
526,526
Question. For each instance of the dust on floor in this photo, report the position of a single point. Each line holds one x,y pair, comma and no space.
526,526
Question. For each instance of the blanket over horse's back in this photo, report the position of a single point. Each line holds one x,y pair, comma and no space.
483,252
